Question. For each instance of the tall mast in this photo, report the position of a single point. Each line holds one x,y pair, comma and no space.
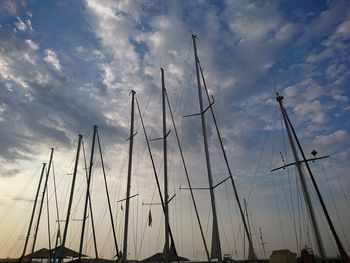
42,200
344,256
250,248
90,206
108,199
216,248
61,253
262,242
33,212
250,242
87,198
166,197
128,185
303,181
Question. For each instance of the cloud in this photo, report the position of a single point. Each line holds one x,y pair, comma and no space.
52,59
38,105
21,26
336,137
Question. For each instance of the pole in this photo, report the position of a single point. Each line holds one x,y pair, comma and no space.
166,210
42,200
188,181
303,182
344,256
108,199
87,197
61,254
128,185
250,250
262,243
216,248
253,256
33,212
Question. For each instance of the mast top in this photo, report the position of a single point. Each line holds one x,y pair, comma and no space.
279,98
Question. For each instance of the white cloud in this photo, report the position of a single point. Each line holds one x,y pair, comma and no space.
313,111
52,59
20,25
34,46
336,137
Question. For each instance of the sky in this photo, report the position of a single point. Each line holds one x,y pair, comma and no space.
68,65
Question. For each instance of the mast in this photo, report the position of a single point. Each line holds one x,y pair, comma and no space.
61,253
87,198
262,242
250,248
188,180
128,185
90,206
216,248
33,212
303,181
252,254
344,256
157,181
108,199
42,200
166,197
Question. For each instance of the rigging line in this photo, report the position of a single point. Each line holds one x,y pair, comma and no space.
230,211
193,247
107,193
222,225
156,177
187,177
234,248
289,183
256,227
312,241
158,236
48,222
297,189
147,104
322,219
181,229
339,183
274,187
88,197
333,200
226,162
56,203
142,237
105,242
306,222
261,154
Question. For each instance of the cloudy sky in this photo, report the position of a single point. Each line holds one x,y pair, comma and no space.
67,65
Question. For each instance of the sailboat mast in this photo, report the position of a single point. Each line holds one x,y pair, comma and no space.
88,198
303,181
128,185
108,198
42,200
344,256
61,253
262,242
33,212
216,248
249,233
250,242
166,197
